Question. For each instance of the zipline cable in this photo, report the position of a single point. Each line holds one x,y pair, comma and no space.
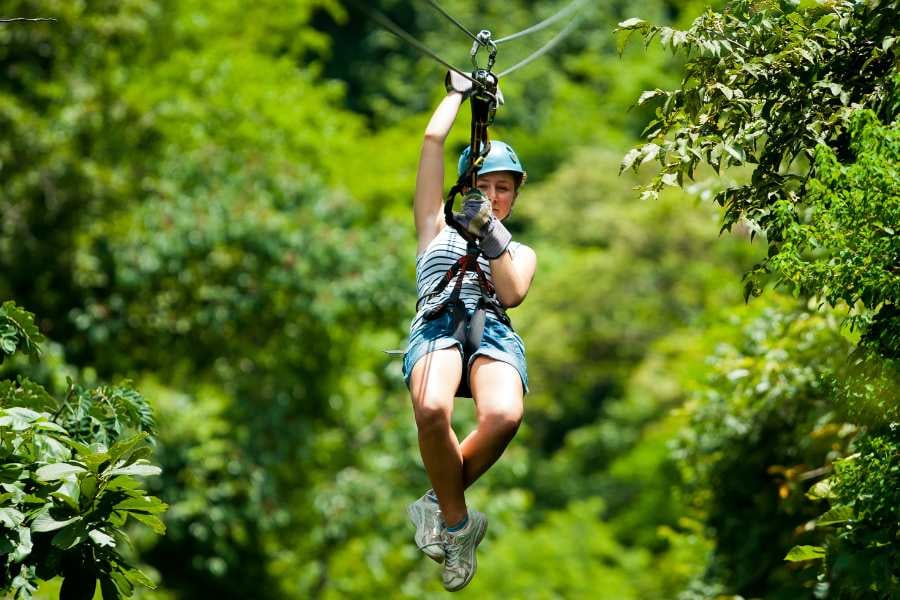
385,22
453,20
25,19
546,48
572,7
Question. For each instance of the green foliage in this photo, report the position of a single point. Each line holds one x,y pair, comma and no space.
863,559
67,483
18,331
760,430
771,85
845,249
582,550
805,94
652,267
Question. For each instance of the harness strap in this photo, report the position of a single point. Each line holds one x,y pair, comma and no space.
467,262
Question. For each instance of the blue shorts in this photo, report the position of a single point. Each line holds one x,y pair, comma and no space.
499,342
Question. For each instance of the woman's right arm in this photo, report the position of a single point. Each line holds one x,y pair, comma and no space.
428,206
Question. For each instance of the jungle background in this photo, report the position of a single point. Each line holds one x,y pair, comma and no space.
206,207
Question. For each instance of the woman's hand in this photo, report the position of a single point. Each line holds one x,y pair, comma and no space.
476,212
456,82
478,219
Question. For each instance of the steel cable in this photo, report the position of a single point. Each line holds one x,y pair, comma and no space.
573,6
25,19
385,22
546,48
456,22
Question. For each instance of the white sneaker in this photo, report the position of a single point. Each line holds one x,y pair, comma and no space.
426,516
459,552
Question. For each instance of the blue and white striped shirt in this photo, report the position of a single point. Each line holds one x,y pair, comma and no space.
440,255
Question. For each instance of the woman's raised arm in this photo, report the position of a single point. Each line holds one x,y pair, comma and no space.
429,199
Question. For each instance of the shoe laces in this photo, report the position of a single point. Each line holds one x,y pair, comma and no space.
452,553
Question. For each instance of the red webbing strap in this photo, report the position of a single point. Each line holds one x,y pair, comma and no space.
458,270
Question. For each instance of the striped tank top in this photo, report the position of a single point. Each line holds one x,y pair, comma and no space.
441,254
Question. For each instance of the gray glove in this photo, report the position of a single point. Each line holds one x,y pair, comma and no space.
455,82
478,219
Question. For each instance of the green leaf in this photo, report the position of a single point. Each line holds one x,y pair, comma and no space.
147,504
649,152
648,94
798,553
736,153
141,468
70,536
33,395
11,518
629,159
821,491
137,576
122,582
670,179
101,538
838,514
123,448
18,418
24,547
44,522
28,334
123,482
69,492
824,22
88,487
57,471
22,584
10,472
151,521
633,23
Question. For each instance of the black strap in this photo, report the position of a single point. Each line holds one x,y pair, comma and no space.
484,107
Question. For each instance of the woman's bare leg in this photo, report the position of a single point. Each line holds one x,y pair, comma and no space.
499,404
433,385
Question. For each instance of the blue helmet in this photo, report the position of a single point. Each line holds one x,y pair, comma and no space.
500,158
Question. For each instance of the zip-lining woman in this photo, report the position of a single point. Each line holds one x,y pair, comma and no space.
461,341
451,351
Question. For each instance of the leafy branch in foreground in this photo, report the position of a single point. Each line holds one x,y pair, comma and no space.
782,87
68,479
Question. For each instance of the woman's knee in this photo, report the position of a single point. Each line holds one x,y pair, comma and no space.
505,418
433,386
432,412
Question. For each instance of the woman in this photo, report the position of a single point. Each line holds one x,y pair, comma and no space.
446,529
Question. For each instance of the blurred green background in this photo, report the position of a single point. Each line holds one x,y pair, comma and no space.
213,199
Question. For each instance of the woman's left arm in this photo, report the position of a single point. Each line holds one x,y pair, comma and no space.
513,274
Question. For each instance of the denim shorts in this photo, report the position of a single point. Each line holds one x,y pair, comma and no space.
499,342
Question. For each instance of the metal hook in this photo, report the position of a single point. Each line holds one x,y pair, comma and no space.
484,39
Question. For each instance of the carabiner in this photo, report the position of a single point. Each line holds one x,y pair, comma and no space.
484,39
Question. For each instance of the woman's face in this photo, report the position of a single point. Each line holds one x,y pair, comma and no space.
500,188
